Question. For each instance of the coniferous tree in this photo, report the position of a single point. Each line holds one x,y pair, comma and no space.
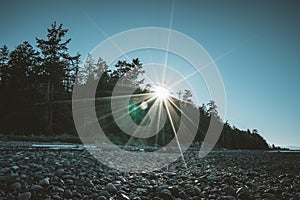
58,66
129,72
4,73
23,70
212,108
56,60
23,65
187,96
4,76
20,90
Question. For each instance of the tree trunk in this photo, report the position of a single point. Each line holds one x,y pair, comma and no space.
50,109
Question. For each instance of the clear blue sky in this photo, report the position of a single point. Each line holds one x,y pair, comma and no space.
261,75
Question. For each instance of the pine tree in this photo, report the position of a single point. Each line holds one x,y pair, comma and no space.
187,96
58,67
4,73
212,108
23,65
129,72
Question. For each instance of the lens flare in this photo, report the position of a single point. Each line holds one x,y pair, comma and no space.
161,92
144,105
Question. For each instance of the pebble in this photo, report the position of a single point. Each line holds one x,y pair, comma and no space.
229,190
101,198
269,196
60,172
198,191
228,198
24,196
67,194
44,182
15,168
229,175
165,194
111,188
161,188
122,196
16,186
243,193
36,187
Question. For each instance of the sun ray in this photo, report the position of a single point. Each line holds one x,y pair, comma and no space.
183,113
175,133
159,115
222,56
111,114
161,92
127,113
145,117
112,41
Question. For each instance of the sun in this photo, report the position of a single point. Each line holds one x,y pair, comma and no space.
161,92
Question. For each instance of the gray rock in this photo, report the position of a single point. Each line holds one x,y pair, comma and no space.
10,196
16,186
269,196
243,193
59,189
198,191
229,180
228,198
229,190
174,190
56,197
80,182
182,194
69,182
286,180
15,168
189,189
111,188
141,191
60,172
104,193
36,187
161,188
136,198
44,182
122,196
94,196
24,196
87,191
166,194
68,194
212,177
287,195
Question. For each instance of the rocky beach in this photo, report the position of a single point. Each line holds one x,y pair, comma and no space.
73,173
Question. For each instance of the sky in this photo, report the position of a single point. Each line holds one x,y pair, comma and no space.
260,72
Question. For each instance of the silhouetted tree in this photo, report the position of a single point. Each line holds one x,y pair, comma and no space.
212,108
4,73
24,71
187,96
129,72
23,66
58,66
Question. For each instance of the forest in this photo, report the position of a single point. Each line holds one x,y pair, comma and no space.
36,84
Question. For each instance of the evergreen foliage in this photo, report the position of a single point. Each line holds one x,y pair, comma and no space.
36,87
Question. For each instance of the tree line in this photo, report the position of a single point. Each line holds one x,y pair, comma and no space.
36,84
